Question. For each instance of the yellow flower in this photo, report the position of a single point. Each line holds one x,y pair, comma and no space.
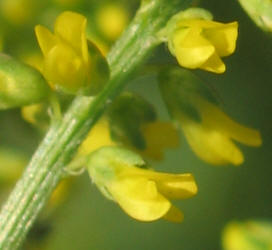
199,43
248,235
208,130
158,136
18,12
111,20
211,139
67,62
143,194
98,137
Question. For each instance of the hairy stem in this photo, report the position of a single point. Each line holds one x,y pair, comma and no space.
56,150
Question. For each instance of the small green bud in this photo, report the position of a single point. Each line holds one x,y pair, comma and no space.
20,84
127,114
260,11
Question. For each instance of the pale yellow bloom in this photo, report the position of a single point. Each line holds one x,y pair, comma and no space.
199,43
211,139
67,62
111,20
158,136
98,137
143,194
248,235
18,12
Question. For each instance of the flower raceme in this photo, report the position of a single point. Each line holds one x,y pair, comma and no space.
200,43
142,193
208,130
70,61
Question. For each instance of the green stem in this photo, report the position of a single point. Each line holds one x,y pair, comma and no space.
45,169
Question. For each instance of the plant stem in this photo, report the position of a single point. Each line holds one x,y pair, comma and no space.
45,169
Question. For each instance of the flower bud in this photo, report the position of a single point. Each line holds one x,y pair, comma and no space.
20,84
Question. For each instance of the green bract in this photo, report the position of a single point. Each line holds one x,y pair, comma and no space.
127,114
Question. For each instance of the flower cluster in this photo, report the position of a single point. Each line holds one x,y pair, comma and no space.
68,64
198,42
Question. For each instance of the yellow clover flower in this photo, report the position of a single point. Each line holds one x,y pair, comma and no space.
19,12
211,139
142,193
247,235
208,130
67,61
111,20
200,43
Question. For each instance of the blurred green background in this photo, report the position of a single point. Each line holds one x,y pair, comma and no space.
86,220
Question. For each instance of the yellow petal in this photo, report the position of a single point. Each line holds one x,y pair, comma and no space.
175,186
199,23
174,215
221,122
63,67
172,186
223,38
214,64
98,137
193,50
45,38
139,198
158,137
211,145
71,27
